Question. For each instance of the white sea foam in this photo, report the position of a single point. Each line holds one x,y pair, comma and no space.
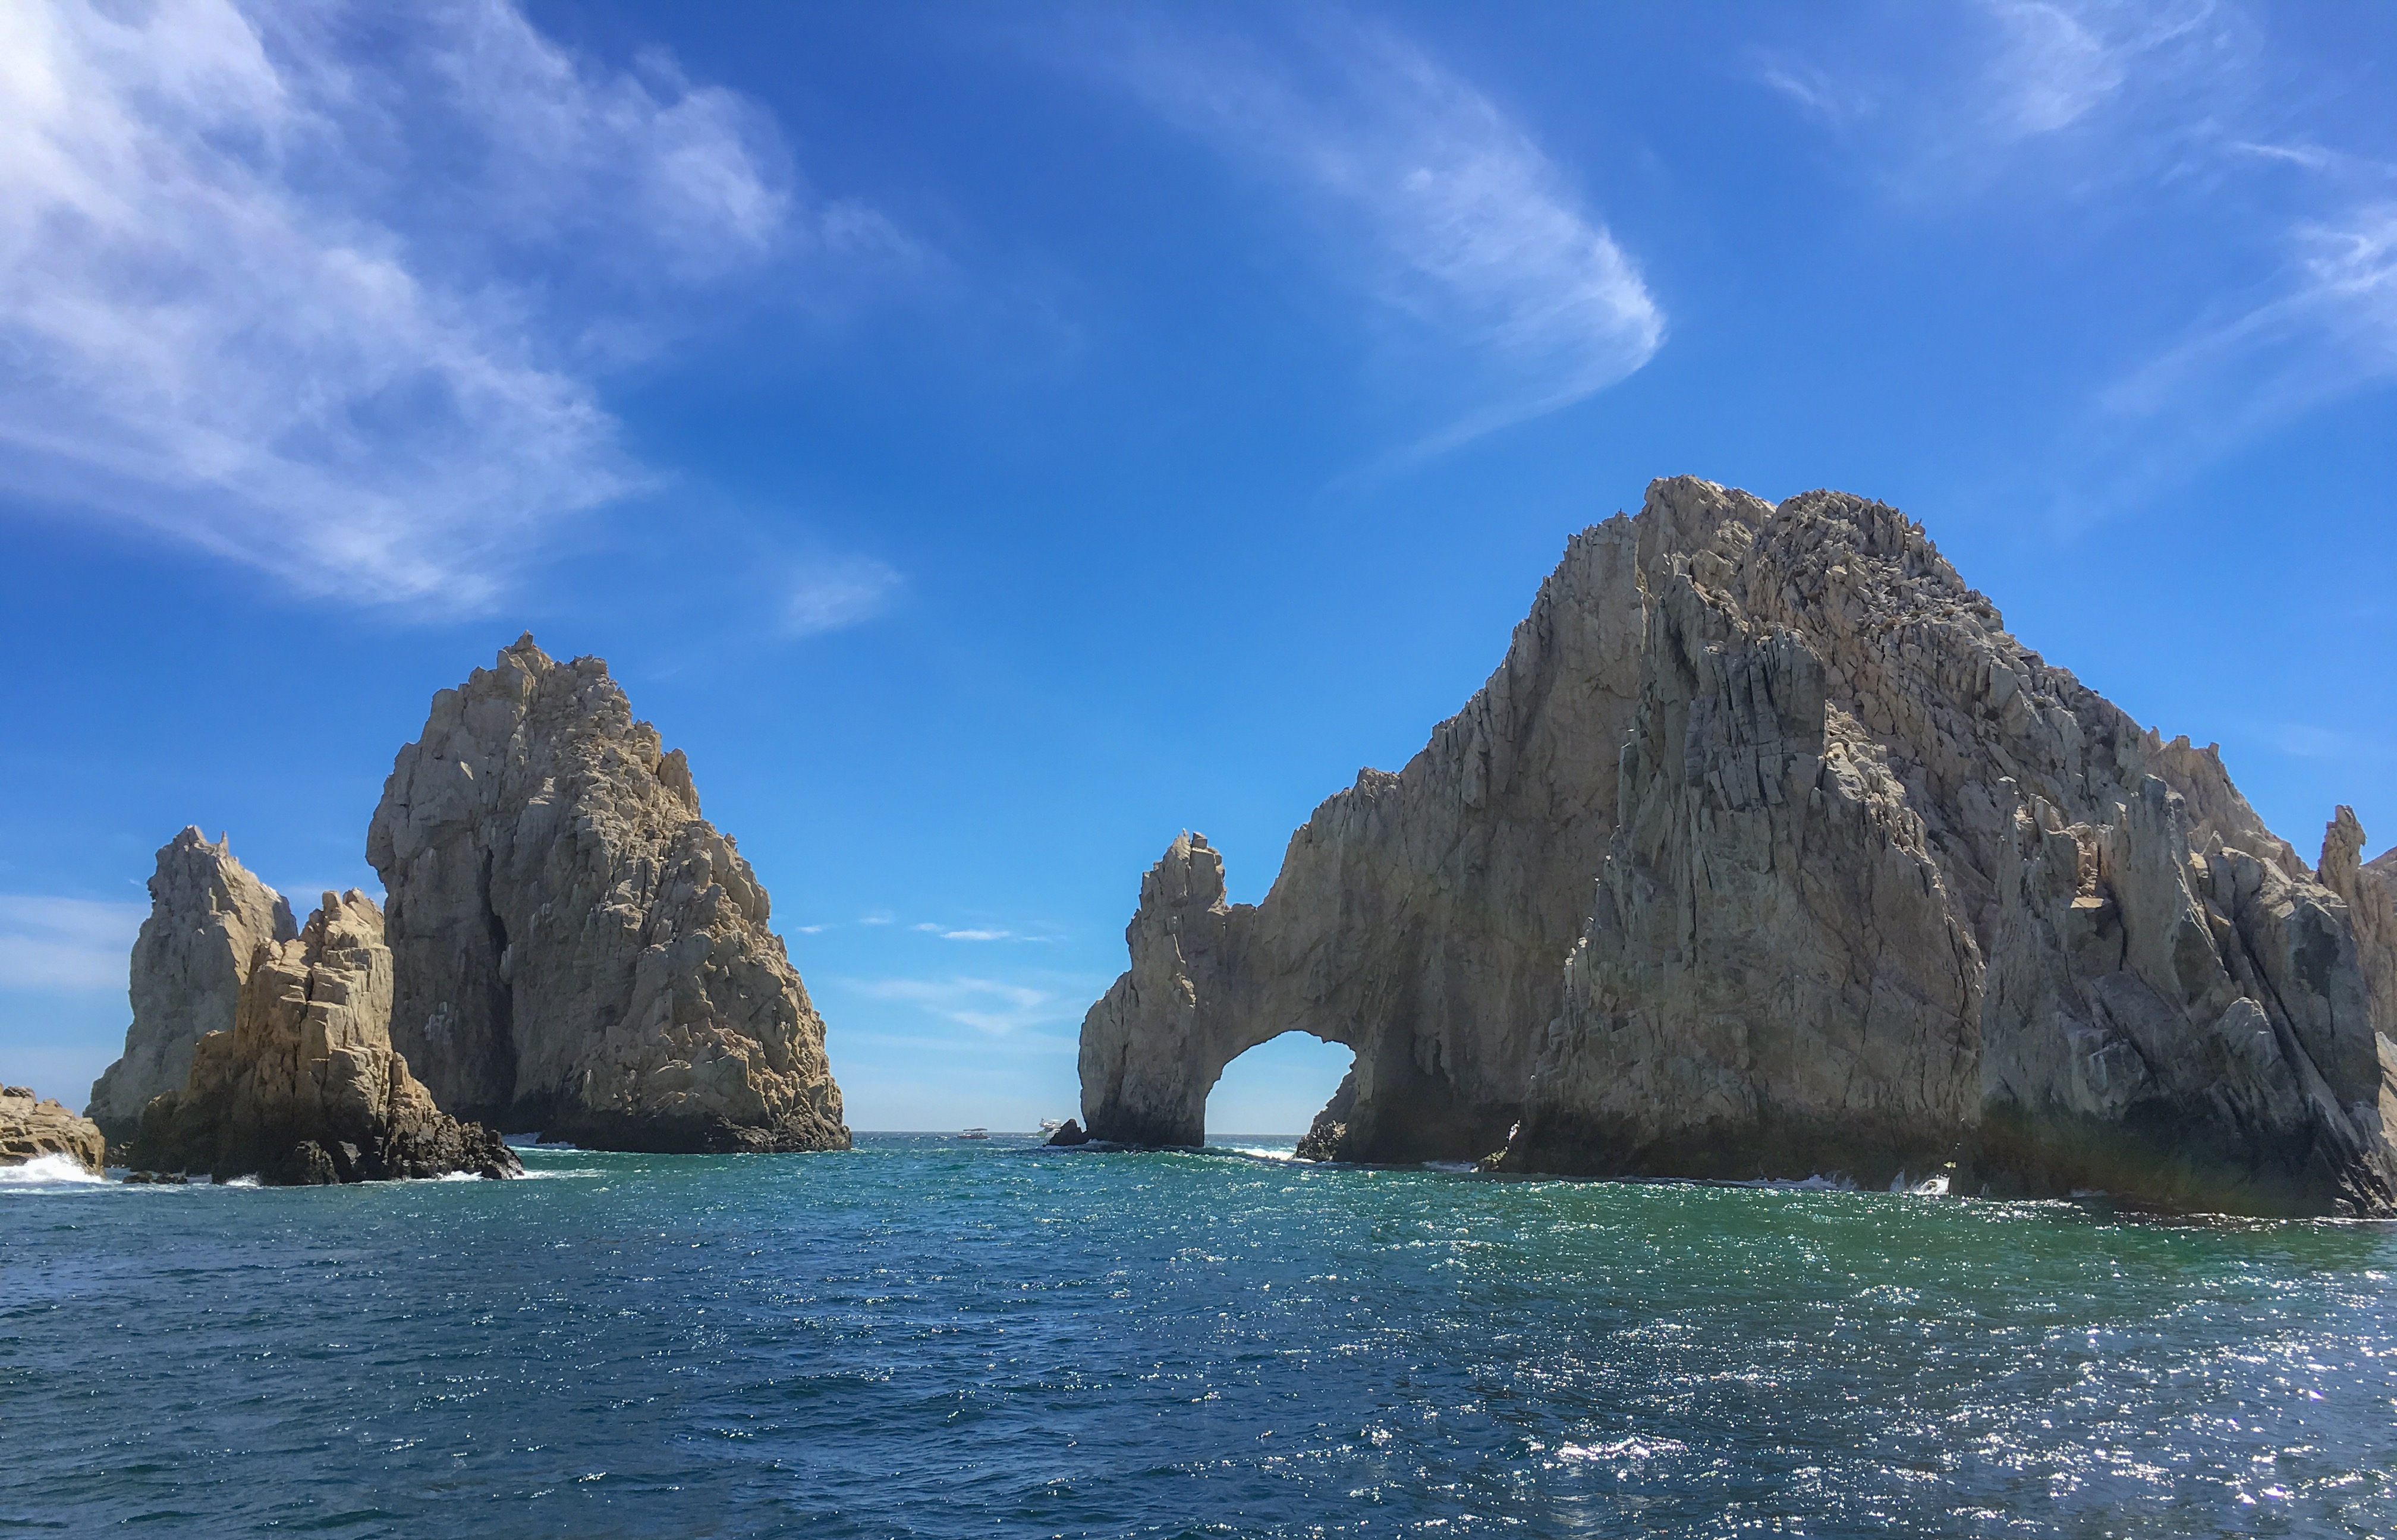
50,1171
1622,1448
1935,1187
1261,1153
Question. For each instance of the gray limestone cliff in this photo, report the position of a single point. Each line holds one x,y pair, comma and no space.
577,950
207,917
1768,853
305,1088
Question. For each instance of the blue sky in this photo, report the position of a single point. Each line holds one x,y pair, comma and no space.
992,439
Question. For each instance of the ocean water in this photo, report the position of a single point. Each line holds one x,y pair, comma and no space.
931,1337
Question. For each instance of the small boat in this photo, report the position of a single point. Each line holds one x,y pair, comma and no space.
1051,1125
975,1133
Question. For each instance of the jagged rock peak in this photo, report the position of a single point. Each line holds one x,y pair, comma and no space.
305,1088
577,950
1768,851
207,917
31,1127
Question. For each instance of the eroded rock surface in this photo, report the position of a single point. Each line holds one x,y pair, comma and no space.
305,1088
31,1127
207,917
1420,918
577,950
1775,855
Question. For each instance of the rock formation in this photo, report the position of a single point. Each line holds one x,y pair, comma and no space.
208,916
2370,892
305,1088
577,950
1768,853
1419,918
31,1127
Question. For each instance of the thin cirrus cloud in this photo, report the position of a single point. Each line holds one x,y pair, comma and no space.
327,290
838,593
1940,111
994,1006
1445,208
2084,99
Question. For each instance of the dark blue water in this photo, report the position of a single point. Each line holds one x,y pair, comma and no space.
927,1337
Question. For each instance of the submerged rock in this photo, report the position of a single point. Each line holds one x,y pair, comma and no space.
1768,853
577,950
207,917
31,1127
305,1088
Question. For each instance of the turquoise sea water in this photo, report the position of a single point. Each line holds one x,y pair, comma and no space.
931,1337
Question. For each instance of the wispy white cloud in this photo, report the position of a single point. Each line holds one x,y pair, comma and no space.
838,593
66,945
2088,92
2090,99
994,1006
1833,101
2327,326
326,289
978,934
1434,197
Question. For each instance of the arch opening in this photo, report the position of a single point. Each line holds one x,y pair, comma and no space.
1273,1089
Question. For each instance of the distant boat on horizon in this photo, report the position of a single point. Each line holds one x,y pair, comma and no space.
1051,1125
975,1133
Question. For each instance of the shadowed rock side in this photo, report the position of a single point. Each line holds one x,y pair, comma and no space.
31,1127
208,916
1418,917
577,950
305,1088
1875,890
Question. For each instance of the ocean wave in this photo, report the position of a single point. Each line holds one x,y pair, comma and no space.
50,1171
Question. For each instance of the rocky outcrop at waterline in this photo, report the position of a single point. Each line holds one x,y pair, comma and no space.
305,1088
33,1127
576,950
207,918
1769,852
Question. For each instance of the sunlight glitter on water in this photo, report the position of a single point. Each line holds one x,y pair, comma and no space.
923,1339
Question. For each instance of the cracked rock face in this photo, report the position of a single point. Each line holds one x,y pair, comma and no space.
1777,856
305,1088
576,950
1419,918
31,1127
207,918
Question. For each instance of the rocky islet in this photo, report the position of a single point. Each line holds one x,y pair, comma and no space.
33,1128
576,950
207,918
1768,853
305,1088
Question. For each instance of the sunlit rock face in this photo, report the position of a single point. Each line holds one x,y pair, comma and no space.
305,1090
576,950
33,1127
1770,853
208,919
1419,918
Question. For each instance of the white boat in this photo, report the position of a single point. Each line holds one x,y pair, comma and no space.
975,1133
1051,1125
